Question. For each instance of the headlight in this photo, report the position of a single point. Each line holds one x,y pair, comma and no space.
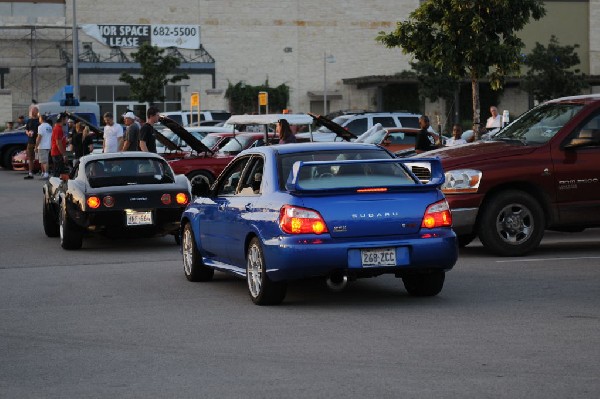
462,181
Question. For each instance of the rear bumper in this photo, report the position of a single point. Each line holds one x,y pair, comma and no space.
290,258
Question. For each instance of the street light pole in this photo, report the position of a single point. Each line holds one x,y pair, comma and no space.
326,59
75,55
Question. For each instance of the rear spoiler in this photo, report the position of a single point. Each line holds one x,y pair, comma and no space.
434,179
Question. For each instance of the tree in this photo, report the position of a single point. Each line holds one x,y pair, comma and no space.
550,72
154,69
243,98
468,39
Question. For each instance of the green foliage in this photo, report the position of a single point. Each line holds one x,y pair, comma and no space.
550,72
434,83
155,68
243,98
467,39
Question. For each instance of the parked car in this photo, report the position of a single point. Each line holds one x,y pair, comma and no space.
127,194
540,172
393,139
339,211
360,123
207,165
11,143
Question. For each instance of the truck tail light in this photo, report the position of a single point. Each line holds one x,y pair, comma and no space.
437,215
297,220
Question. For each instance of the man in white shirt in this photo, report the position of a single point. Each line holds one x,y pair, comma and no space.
456,138
494,121
113,134
44,144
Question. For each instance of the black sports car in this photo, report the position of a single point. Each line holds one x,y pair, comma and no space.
129,194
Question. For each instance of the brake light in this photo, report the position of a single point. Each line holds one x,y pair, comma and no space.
93,202
437,215
296,220
181,198
165,199
108,201
372,190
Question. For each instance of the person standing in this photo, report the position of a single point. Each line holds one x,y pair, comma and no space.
20,121
456,138
284,132
131,137
494,121
44,144
113,134
31,128
81,141
58,148
147,140
424,141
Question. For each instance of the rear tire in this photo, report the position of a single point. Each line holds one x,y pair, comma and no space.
71,235
193,267
51,227
429,284
8,155
262,290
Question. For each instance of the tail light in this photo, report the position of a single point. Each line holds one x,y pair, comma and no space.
108,201
93,202
437,215
296,220
182,198
165,199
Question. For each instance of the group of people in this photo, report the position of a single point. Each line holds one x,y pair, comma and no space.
427,141
45,142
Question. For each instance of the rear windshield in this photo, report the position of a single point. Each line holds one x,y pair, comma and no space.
349,175
130,171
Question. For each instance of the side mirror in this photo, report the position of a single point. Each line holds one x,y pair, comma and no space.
200,188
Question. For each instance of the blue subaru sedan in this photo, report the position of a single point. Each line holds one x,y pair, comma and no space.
339,211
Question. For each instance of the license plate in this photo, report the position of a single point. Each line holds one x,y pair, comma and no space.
135,218
378,257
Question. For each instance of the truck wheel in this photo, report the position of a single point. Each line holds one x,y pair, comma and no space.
511,224
8,155
424,284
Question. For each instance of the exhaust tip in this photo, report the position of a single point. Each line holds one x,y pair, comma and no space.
337,281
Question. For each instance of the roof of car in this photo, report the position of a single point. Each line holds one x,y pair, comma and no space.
314,146
586,98
267,119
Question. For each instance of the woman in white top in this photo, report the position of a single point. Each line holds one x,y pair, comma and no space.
456,138
43,144
113,134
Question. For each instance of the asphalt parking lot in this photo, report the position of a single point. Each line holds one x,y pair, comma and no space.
119,319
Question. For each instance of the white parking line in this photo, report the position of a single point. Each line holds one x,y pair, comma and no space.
546,259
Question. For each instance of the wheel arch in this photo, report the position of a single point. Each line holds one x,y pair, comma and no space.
535,191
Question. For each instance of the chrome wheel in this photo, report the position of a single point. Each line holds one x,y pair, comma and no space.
187,249
515,223
254,273
193,267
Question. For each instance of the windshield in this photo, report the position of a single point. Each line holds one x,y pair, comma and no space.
539,125
237,144
211,140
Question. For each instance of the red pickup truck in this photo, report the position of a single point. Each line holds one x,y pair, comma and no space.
540,172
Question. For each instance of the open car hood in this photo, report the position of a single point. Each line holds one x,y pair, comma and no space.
334,127
186,136
78,118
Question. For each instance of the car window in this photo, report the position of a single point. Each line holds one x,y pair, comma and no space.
237,144
358,126
229,180
252,178
128,171
386,121
286,161
402,138
409,121
590,130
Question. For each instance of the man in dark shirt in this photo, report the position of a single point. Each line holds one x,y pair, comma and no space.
423,141
147,139
31,128
131,137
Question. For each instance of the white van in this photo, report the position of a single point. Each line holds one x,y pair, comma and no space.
89,111
187,118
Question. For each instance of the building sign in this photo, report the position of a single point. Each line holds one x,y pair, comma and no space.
181,36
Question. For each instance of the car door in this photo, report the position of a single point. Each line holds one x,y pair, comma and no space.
577,175
216,220
241,210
